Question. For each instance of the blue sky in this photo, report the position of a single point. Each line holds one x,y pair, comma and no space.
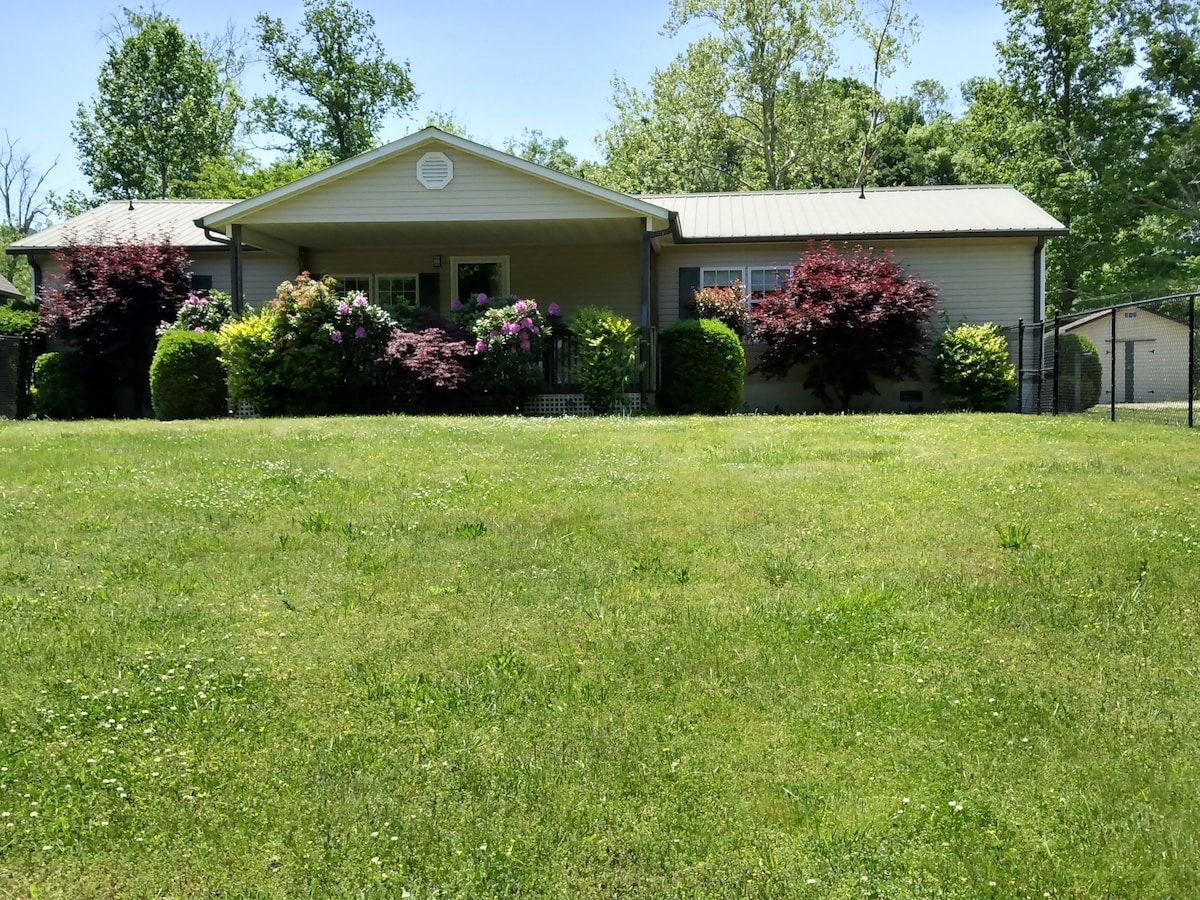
498,67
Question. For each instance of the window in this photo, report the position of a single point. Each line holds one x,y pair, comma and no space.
353,284
202,283
397,294
721,278
759,280
479,275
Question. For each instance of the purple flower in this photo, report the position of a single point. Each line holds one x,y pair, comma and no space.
480,346
552,309
360,333
510,328
527,322
337,337
457,304
524,342
493,334
521,307
481,300
535,329
343,308
198,330
360,300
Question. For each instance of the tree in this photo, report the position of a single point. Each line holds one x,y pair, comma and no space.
162,111
338,65
551,153
25,207
240,176
108,306
849,318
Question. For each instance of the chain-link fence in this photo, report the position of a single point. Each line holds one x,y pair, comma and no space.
1133,362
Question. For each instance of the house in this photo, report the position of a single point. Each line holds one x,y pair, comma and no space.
1151,353
435,218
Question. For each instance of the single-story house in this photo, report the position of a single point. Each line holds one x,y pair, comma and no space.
8,290
435,218
1151,353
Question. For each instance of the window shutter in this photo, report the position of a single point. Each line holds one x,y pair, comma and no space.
689,283
429,291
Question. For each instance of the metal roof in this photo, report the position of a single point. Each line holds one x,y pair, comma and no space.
8,289
941,211
170,221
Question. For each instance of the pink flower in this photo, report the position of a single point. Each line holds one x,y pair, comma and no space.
552,309
360,333
493,334
480,346
510,328
481,300
360,300
457,304
337,337
535,329
527,322
524,342
521,307
198,330
343,308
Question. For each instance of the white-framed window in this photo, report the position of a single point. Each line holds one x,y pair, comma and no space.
475,275
353,284
398,294
758,280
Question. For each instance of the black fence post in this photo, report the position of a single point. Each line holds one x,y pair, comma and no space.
1020,366
1192,361
1056,318
1112,370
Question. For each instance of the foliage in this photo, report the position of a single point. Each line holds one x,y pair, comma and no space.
1080,373
205,312
241,176
608,352
551,153
187,380
327,346
59,390
972,367
510,340
431,369
703,368
108,304
726,305
248,352
18,322
338,65
162,111
850,318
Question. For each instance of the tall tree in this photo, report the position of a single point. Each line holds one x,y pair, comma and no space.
25,207
339,67
162,111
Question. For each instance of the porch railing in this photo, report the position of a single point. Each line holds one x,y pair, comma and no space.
562,361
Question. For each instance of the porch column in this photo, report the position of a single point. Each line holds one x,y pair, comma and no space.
236,279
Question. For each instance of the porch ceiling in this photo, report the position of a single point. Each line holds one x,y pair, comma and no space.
342,235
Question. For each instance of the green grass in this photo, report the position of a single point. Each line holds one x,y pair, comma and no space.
892,657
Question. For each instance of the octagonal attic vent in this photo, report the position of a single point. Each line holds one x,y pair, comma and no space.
434,170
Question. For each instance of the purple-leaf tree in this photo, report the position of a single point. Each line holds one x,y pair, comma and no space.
849,317
107,303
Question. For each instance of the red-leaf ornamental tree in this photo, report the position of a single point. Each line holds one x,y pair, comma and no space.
107,303
851,318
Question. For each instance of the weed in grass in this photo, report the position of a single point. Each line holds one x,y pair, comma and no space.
285,542
1013,537
316,523
471,530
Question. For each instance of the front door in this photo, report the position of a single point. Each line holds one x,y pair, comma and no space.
481,275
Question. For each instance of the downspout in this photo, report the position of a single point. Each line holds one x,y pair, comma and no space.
37,278
647,237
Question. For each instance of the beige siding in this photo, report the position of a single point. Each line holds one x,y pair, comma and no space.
571,276
978,280
481,190
262,274
1157,362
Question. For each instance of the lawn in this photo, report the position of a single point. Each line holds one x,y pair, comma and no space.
892,657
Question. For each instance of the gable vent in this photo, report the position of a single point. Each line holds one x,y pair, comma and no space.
434,170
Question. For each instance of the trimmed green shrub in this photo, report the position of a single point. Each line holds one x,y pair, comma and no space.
1080,373
608,347
972,367
248,352
187,380
59,390
703,367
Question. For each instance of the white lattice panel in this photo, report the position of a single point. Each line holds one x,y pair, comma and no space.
572,405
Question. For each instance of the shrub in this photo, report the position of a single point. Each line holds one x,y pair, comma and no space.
726,305
510,341
608,349
187,380
109,306
850,318
703,367
205,312
972,367
431,370
59,389
17,322
248,353
1080,373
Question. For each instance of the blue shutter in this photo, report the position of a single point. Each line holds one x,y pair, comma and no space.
689,283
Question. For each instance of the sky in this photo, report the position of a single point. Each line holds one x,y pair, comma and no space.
498,67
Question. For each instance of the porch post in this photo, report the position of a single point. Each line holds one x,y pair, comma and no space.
236,279
645,273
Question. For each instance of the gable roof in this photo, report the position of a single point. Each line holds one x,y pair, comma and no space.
939,211
9,290
172,221
433,137
1106,314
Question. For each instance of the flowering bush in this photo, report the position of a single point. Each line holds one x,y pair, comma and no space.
726,305
510,336
204,312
